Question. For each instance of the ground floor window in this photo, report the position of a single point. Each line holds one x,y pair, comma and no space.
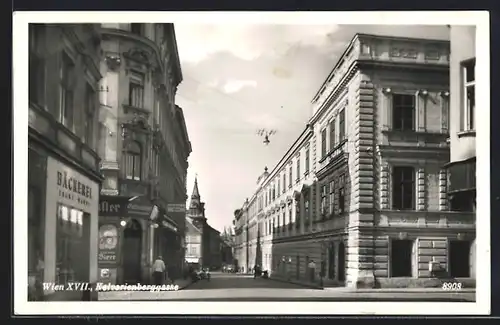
459,258
331,261
72,245
402,257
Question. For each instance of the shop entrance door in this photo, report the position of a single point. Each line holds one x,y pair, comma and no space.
132,243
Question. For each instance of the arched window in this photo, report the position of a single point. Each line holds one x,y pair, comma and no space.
132,159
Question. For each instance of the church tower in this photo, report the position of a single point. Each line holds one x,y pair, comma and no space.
196,207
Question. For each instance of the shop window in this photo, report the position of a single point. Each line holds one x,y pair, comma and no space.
133,154
469,93
72,245
401,257
36,64
136,89
66,91
403,112
403,188
88,121
459,258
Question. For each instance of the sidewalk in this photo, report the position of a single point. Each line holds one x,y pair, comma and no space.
139,295
358,290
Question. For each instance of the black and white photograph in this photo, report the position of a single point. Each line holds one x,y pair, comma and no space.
261,163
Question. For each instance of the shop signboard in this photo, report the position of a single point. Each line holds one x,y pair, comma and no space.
176,207
108,244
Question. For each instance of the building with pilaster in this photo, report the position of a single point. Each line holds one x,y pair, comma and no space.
63,164
144,148
462,166
363,190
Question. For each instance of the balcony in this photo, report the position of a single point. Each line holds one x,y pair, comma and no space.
45,125
335,158
131,187
462,176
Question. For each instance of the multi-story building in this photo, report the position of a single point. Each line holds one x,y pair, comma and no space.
210,255
63,165
144,149
194,240
241,237
227,247
362,192
462,166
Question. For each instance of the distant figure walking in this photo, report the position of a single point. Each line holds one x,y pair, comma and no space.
158,271
312,269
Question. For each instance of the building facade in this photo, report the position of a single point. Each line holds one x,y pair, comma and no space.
210,237
144,148
462,166
227,247
363,192
241,238
63,165
194,240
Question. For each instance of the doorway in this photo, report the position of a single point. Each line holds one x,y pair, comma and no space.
331,261
341,253
132,244
459,251
402,257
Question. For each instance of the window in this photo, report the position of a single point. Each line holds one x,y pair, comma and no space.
36,64
341,192
88,122
403,107
332,135
133,161
283,211
323,143
66,91
469,102
401,257
279,185
324,201
290,181
307,161
298,168
403,188
284,182
136,29
72,245
136,90
290,214
331,200
342,125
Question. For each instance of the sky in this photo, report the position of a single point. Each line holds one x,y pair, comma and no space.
242,78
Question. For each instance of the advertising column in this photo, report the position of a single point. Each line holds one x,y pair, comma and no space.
71,227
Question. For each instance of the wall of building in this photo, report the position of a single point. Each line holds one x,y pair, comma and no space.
463,47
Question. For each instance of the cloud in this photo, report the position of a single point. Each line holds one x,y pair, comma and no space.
233,85
248,42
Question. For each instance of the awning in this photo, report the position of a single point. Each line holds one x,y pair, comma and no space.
192,260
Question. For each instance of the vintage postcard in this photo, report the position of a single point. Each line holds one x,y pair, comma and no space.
258,162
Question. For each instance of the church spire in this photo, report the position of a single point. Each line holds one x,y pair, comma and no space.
196,192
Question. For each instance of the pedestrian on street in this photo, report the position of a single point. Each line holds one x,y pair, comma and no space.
158,270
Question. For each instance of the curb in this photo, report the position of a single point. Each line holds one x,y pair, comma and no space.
306,285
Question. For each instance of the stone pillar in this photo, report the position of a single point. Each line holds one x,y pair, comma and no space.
384,187
421,204
443,190
359,259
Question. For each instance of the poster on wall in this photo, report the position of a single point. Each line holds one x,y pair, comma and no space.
108,245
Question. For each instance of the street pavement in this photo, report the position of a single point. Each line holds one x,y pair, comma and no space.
231,287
